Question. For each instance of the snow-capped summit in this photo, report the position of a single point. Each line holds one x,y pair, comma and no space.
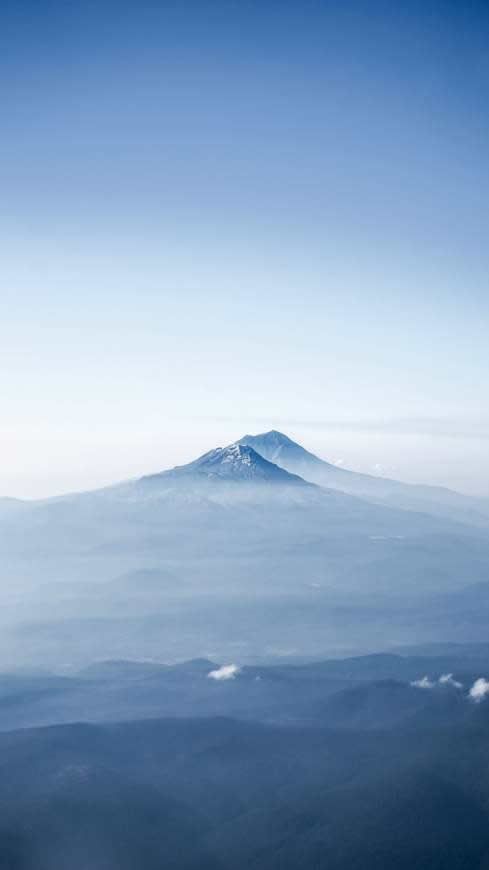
236,462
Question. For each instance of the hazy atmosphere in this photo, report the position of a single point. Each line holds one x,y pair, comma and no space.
223,217
244,488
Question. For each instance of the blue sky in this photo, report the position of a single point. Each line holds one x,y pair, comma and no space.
221,217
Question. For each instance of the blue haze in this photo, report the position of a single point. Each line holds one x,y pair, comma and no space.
219,217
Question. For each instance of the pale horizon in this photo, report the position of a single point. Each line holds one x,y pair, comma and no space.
228,217
364,447
223,221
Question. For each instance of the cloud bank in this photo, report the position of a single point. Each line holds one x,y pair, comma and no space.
423,683
479,690
447,680
226,672
444,680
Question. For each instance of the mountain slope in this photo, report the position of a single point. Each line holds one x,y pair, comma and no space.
235,478
278,448
235,462
243,555
217,793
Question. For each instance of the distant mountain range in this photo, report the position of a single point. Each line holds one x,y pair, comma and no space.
164,706
371,691
258,546
335,765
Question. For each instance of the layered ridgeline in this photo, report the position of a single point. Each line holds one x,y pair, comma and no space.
234,552
367,763
372,692
215,794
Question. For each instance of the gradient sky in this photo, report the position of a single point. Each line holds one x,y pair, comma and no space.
223,217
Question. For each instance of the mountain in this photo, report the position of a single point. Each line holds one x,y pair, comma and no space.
10,505
216,793
224,491
228,554
369,692
262,761
236,462
278,448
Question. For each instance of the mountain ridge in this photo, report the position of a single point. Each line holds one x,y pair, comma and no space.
279,448
236,462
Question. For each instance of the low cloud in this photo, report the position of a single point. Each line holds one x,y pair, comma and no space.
479,690
423,683
226,672
444,680
447,680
